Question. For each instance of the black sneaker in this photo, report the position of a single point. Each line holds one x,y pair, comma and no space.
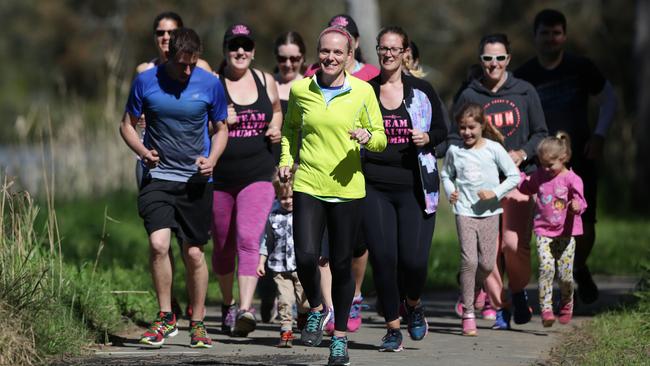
587,289
339,352
312,334
392,341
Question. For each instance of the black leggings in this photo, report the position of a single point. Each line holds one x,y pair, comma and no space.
343,220
398,234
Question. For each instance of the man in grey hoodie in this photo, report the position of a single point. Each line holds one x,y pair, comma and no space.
513,106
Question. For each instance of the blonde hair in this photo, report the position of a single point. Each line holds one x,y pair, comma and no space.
555,147
475,113
409,64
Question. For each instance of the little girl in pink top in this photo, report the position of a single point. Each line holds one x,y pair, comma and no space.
560,202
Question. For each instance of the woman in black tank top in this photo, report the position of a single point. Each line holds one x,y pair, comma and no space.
243,192
290,55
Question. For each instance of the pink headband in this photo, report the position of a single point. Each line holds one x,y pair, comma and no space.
337,29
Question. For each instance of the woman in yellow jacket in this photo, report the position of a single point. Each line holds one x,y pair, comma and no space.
331,116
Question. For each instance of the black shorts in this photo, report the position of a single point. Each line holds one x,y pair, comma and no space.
185,208
588,172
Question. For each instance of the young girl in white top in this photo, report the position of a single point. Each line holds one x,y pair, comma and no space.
471,179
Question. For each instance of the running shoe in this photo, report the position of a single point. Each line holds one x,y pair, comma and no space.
418,327
522,311
458,306
244,324
566,313
161,328
312,334
199,335
329,325
339,352
469,324
286,339
488,312
392,341
548,318
502,321
228,317
587,289
354,320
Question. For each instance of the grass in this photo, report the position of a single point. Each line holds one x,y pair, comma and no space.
618,337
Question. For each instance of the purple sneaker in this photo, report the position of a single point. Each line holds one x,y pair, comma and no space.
228,318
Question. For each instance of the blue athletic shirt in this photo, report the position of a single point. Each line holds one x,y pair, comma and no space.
177,118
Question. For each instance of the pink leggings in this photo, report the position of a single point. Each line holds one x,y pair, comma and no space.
514,247
238,219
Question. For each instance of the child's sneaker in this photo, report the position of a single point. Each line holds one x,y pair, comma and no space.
469,324
502,321
522,311
480,299
339,352
312,334
458,306
286,339
417,327
161,328
566,313
228,317
329,325
244,324
548,318
199,335
392,341
488,312
354,320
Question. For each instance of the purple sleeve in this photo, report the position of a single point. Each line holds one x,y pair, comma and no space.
576,191
528,184
219,106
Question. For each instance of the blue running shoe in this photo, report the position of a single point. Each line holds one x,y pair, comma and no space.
392,341
418,327
522,311
502,321
339,352
312,333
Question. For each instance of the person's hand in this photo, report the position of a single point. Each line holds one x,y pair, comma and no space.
232,115
261,270
453,197
594,147
151,158
361,135
574,206
274,134
205,165
517,156
284,173
419,138
486,194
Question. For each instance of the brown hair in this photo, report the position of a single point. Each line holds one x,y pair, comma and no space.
474,112
554,147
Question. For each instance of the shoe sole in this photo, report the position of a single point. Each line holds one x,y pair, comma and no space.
490,317
150,343
471,333
399,349
338,364
243,326
287,344
200,345
548,323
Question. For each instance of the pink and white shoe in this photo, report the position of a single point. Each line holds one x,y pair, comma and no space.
469,325
458,306
329,326
548,318
488,313
566,313
354,319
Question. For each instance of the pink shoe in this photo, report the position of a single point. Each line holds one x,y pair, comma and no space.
354,320
548,318
488,312
566,313
469,325
480,299
329,326
458,307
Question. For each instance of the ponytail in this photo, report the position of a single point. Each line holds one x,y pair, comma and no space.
553,147
492,133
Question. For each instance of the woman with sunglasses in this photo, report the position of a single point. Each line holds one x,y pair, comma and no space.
290,55
243,192
402,187
513,107
333,115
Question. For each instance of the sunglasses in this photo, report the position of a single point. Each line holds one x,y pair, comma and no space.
489,58
293,59
245,43
161,32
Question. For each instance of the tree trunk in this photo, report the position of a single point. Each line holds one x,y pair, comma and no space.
366,14
641,197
